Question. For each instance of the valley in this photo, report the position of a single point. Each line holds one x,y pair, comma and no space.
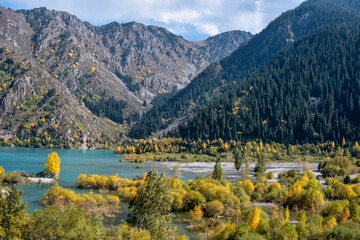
130,131
121,65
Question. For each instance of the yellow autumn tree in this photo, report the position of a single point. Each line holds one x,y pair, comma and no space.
345,215
356,145
286,214
254,218
2,170
274,213
261,145
52,164
156,148
350,193
294,194
329,222
118,150
197,213
248,186
226,147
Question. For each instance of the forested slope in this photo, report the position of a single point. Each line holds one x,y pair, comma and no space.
310,92
217,78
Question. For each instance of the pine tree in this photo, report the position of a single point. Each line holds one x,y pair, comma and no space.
238,158
218,171
153,202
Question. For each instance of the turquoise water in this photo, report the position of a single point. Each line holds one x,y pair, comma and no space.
73,163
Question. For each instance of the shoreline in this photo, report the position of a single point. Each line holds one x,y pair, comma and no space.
39,180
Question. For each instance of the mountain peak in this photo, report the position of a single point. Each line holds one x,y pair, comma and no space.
119,66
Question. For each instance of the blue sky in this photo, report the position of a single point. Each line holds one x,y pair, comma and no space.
193,19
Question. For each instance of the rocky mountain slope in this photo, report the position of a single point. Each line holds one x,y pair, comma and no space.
143,59
157,60
97,72
36,110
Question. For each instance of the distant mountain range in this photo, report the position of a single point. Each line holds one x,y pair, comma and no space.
105,73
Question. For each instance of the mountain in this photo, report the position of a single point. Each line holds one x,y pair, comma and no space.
214,48
309,92
144,59
249,57
36,110
94,78
157,60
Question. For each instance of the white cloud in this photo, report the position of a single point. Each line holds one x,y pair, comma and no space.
209,29
182,16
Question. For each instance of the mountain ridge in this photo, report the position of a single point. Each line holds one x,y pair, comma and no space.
221,77
111,71
308,93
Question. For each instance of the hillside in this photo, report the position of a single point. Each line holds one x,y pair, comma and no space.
36,110
220,77
137,61
150,59
109,72
310,92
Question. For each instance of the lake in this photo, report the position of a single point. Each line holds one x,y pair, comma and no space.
105,162
73,163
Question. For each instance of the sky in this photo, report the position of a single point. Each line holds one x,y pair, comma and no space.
193,19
